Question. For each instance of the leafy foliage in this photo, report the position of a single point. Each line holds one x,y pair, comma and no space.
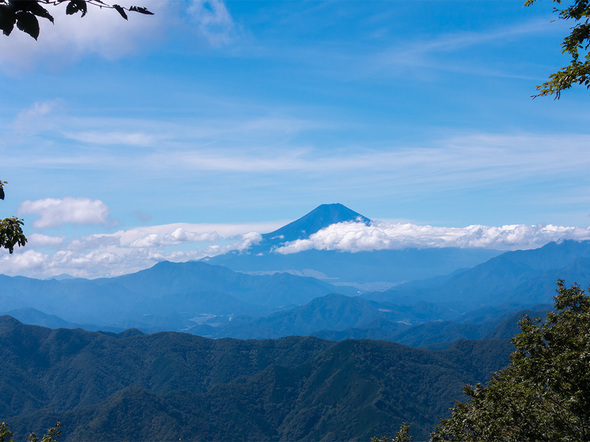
24,13
401,435
578,71
11,231
5,433
52,434
544,394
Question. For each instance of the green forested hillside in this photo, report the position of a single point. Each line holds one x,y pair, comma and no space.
168,386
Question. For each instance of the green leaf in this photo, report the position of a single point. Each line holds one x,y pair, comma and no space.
27,22
11,233
39,11
141,10
7,19
75,6
121,11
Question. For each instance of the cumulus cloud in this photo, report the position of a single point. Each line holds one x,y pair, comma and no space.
55,212
179,236
357,237
40,240
127,251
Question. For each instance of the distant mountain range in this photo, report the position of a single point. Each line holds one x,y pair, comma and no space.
521,278
215,301
168,296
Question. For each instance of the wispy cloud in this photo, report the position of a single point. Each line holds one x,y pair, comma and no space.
271,145
114,138
213,20
420,52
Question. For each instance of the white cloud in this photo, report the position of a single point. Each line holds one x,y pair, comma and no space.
40,240
356,237
177,233
55,212
179,236
132,250
127,251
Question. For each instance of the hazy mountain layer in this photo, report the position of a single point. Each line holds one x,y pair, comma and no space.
521,278
376,270
168,296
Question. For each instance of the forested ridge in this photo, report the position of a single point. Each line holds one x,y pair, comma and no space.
165,386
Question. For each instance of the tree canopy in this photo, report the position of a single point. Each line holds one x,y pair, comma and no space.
575,45
11,230
24,13
544,393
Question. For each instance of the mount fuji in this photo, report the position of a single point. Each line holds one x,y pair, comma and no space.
372,270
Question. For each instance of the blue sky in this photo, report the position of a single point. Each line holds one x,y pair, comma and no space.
236,117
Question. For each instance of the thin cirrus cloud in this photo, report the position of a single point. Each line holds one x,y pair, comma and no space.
382,235
428,53
213,21
54,212
268,144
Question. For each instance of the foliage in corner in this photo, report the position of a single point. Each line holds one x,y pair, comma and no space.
11,232
544,393
24,13
401,435
578,71
52,434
